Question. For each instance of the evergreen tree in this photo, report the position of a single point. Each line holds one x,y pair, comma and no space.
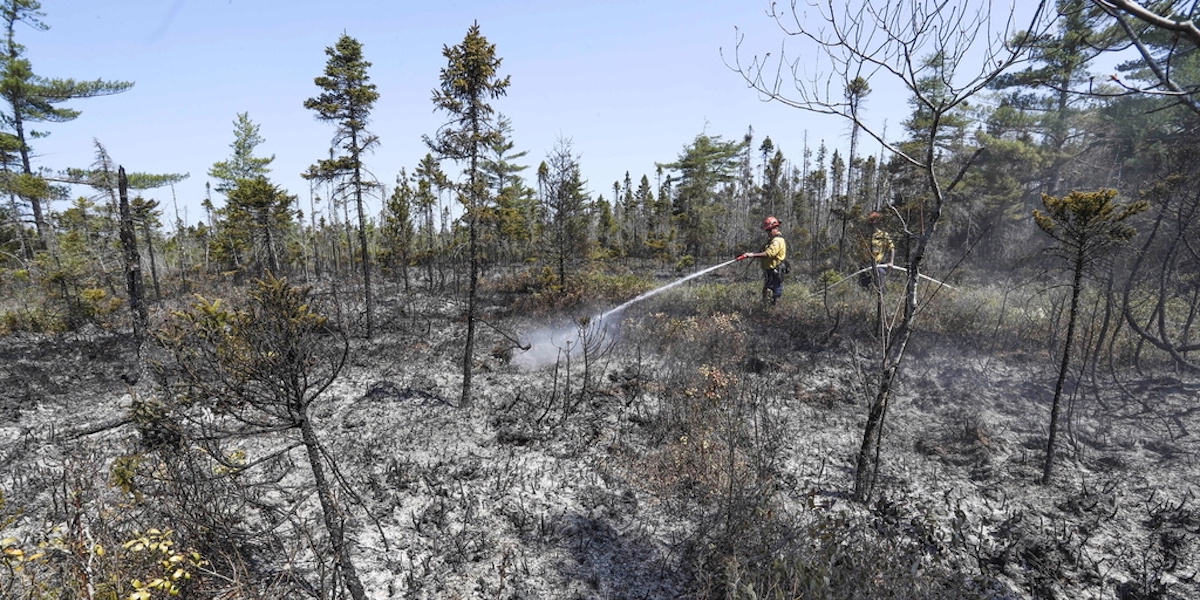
606,227
346,100
243,164
704,165
562,193
145,214
257,214
509,224
643,198
398,232
31,99
470,78
262,364
430,181
1085,226
856,91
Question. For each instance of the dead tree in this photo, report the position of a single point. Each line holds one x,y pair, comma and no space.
133,261
1159,274
939,53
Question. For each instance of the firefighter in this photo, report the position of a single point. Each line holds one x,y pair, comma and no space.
881,252
772,260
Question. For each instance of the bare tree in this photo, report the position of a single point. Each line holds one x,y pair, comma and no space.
941,54
1161,273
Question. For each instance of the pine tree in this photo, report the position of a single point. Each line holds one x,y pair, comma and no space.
469,79
346,100
33,99
243,164
706,164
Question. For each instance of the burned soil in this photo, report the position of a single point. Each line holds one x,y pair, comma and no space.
694,452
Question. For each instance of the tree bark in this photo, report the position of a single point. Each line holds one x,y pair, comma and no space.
133,261
1076,287
329,509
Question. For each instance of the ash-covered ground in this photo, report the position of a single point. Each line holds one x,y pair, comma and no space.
679,451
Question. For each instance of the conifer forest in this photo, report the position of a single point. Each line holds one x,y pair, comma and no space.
982,380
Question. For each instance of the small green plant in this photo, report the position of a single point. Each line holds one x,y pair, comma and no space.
96,303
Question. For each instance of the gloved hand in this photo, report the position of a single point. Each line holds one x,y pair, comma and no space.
741,257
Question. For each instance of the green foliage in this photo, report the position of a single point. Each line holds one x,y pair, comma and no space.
508,227
469,79
96,303
251,226
1086,224
243,164
564,202
706,165
30,99
274,354
346,100
397,243
124,473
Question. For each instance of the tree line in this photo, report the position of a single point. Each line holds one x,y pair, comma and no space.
1013,158
972,160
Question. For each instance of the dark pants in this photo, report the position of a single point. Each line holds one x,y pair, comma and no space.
772,285
875,277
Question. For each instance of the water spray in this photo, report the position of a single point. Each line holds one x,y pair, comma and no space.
546,345
664,288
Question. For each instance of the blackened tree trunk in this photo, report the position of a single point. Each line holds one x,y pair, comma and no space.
330,512
133,261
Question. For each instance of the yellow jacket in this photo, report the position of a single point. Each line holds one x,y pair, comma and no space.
881,246
776,252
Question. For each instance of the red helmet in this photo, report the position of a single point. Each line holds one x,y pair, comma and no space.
770,223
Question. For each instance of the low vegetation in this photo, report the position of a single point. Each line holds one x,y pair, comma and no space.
703,449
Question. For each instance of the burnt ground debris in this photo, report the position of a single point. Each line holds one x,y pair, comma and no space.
533,492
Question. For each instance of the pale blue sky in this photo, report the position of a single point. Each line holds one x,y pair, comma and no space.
630,83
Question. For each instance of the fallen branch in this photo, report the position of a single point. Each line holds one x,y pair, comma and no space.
94,429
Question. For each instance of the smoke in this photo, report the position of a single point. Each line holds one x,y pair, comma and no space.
548,345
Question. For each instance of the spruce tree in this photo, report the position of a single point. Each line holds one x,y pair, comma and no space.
346,100
565,204
1085,225
469,79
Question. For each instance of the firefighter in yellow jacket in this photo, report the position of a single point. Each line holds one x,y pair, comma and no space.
881,252
771,259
